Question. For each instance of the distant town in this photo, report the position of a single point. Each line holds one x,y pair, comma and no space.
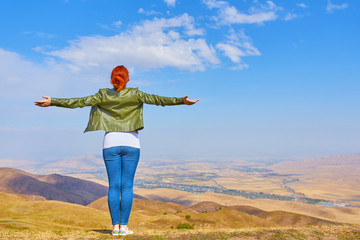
251,195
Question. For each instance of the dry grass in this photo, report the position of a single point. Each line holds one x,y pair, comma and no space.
24,219
344,232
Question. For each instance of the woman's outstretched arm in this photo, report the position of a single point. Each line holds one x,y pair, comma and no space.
163,101
71,102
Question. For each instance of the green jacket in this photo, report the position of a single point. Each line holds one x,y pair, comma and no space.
116,111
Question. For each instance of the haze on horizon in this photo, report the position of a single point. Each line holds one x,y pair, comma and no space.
275,79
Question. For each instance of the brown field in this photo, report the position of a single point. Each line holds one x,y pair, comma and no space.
334,177
229,174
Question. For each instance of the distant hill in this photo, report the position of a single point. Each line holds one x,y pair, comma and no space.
159,215
153,207
281,218
211,214
90,167
333,214
51,187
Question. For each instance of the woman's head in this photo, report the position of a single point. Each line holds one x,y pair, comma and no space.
119,77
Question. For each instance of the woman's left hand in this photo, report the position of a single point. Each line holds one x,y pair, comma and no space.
189,102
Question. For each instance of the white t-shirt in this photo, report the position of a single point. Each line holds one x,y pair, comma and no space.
113,139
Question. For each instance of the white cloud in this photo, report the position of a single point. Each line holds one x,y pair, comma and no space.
170,3
114,27
104,26
231,51
270,5
215,4
40,34
238,45
229,14
42,48
330,7
240,66
148,13
298,43
28,78
117,23
302,5
290,16
155,43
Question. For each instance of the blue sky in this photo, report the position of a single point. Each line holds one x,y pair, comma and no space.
276,79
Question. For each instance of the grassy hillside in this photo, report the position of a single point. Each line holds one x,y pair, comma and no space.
24,219
281,218
160,215
20,213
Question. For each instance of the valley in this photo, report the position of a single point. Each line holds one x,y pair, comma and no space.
329,181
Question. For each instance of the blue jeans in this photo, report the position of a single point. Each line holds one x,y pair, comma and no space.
121,163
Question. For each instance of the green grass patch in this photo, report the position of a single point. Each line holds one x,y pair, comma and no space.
16,228
320,234
280,235
57,232
184,226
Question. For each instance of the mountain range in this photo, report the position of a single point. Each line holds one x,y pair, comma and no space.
50,187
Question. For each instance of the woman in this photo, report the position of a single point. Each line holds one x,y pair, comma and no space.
119,112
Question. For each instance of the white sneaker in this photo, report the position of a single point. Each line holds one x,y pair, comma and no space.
124,232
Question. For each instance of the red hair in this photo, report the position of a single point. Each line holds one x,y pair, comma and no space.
119,77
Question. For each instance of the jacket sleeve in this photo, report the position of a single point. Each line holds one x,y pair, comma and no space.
158,100
77,102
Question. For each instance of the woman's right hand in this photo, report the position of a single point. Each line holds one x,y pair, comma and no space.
43,103
189,102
